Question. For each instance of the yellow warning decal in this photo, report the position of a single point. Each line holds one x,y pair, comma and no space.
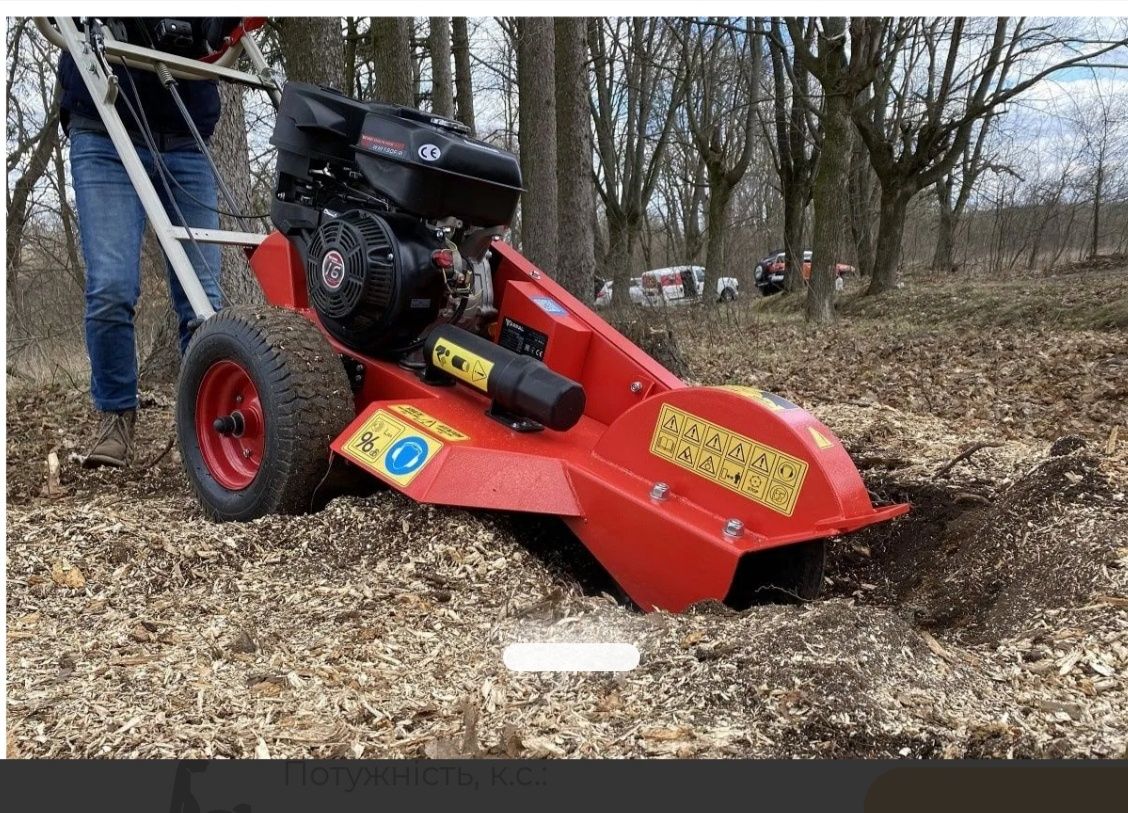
821,440
768,400
758,472
395,449
443,430
462,363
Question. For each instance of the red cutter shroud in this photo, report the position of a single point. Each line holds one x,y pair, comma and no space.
598,476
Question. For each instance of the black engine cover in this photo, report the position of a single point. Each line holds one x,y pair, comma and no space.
371,280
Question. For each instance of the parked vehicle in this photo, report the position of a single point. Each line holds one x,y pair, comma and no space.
603,297
771,270
681,284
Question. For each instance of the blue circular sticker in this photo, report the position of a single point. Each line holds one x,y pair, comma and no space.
406,455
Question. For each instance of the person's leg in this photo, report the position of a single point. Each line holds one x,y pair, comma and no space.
111,222
194,193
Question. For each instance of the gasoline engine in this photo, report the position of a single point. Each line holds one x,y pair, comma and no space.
394,211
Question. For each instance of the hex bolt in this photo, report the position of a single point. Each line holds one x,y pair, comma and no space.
238,399
246,453
636,386
734,528
659,491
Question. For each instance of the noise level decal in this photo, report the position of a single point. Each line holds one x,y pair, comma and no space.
462,363
391,448
444,431
751,469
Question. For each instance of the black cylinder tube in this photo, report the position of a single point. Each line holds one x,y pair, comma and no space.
521,385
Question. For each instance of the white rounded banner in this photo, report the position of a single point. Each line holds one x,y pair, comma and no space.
570,656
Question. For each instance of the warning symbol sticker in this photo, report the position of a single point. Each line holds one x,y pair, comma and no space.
391,448
686,455
462,363
760,473
821,440
665,444
693,430
444,431
716,440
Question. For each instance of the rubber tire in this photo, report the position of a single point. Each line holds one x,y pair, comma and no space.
728,295
785,575
306,402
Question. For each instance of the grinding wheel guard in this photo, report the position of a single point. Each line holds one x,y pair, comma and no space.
669,486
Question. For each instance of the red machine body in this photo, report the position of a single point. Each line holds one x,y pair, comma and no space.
715,454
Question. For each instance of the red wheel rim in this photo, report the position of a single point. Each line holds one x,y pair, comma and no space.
233,457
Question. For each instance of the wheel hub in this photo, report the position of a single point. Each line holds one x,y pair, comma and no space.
229,425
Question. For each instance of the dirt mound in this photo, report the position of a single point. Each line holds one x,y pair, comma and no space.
980,561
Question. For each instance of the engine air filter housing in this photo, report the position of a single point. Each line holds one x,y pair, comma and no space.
371,280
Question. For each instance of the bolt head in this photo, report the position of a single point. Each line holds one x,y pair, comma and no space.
246,453
734,528
636,386
238,399
659,491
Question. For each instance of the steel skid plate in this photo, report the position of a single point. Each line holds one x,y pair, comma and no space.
668,486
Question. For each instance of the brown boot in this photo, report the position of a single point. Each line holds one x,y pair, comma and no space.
114,444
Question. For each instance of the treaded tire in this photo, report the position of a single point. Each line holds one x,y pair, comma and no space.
305,399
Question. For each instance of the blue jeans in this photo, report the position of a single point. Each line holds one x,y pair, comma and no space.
111,224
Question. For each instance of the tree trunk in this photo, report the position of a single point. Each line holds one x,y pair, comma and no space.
890,231
617,266
575,240
230,150
536,84
1098,189
793,206
861,208
946,222
716,229
442,92
395,72
831,177
692,228
312,50
463,84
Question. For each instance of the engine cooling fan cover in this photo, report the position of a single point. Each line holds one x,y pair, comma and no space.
351,266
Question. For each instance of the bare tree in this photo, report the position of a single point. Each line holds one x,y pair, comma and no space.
438,44
637,96
942,77
575,262
463,81
1101,123
954,190
312,49
795,148
833,168
537,132
862,192
722,65
394,66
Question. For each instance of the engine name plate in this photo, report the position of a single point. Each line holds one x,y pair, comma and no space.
752,469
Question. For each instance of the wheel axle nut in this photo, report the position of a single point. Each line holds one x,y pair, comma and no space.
659,491
734,528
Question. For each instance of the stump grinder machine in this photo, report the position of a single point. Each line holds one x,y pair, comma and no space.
405,340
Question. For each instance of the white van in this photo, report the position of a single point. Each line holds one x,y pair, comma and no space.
680,284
